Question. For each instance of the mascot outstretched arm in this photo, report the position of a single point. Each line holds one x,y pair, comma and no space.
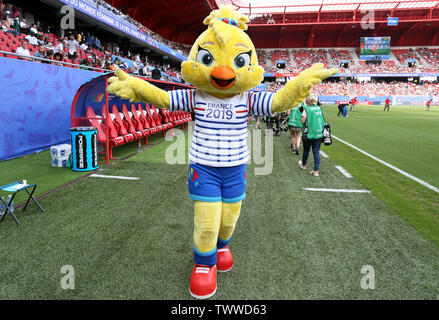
223,67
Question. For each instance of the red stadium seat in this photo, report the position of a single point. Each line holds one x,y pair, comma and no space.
131,126
166,116
113,133
159,118
147,120
97,122
140,124
153,119
138,121
116,117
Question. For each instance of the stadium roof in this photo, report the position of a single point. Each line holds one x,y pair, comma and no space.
296,23
297,6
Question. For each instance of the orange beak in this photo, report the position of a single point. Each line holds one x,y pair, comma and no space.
222,77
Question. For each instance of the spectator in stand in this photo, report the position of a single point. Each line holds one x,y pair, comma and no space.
23,50
90,41
135,68
7,29
47,44
24,27
73,47
41,52
34,29
2,7
84,46
7,14
58,57
59,47
32,39
145,71
97,43
16,25
15,13
80,37
38,27
49,56
85,63
109,66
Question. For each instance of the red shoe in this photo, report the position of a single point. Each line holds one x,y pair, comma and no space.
224,259
203,282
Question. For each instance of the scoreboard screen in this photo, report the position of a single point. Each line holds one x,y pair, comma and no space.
375,48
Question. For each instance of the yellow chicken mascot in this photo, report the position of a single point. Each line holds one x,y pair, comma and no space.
223,67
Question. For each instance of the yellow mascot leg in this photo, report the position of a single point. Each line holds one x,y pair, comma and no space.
229,217
207,220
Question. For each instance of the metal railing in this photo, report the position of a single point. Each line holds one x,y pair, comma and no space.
33,58
76,66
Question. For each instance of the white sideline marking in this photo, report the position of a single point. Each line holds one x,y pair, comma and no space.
337,190
113,177
344,171
408,175
324,155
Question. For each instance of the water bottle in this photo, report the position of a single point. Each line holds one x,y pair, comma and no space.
139,147
10,205
2,207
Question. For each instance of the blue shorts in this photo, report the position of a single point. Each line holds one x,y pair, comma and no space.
213,184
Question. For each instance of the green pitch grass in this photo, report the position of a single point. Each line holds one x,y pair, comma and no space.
133,239
406,137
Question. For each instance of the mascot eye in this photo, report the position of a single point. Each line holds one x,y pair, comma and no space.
204,57
242,60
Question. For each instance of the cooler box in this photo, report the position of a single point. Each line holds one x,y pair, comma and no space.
84,141
60,162
345,111
60,151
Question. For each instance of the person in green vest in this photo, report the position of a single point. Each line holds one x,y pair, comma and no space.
314,123
295,127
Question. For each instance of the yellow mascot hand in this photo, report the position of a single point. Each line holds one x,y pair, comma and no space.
137,90
300,87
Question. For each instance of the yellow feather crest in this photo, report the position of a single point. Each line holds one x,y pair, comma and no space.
227,12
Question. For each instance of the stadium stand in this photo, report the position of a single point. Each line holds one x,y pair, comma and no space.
101,57
88,53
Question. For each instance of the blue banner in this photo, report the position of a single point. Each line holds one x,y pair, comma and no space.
121,25
261,87
376,100
381,74
411,100
391,21
36,102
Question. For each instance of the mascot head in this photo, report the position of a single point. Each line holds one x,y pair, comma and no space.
223,59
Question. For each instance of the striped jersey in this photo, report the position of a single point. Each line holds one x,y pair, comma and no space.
220,132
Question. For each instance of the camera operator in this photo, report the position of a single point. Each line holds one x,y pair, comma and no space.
314,124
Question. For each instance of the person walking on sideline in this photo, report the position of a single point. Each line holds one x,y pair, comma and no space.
313,123
295,127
